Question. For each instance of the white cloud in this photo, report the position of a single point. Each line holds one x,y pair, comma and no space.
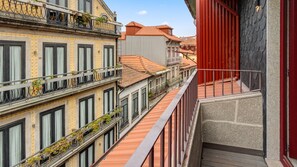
165,23
142,12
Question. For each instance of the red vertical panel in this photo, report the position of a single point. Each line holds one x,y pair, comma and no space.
293,80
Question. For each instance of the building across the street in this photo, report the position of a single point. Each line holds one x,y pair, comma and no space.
187,67
58,78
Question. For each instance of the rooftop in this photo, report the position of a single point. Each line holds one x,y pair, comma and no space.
187,63
142,64
131,76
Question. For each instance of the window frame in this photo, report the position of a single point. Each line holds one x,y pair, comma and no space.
5,132
113,92
86,150
124,123
6,45
84,2
133,105
108,133
86,109
58,3
55,46
143,94
85,46
52,111
111,73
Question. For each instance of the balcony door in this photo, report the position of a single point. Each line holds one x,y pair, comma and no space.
108,60
108,100
54,65
12,68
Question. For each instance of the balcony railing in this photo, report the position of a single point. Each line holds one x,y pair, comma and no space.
174,81
173,60
157,91
34,88
50,14
172,129
227,82
58,152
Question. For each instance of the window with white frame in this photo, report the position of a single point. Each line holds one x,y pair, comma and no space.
12,143
135,105
85,61
108,139
52,126
86,157
125,116
108,59
86,110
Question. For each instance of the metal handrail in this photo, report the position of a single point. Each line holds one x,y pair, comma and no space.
186,97
210,79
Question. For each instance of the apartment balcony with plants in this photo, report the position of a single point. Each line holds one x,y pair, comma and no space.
60,16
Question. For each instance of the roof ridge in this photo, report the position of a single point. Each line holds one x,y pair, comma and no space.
141,61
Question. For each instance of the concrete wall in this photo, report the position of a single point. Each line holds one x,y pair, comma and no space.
127,93
151,47
233,121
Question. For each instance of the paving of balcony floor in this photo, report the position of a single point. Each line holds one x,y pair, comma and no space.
218,158
120,155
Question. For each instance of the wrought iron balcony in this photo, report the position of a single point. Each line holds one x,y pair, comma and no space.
58,152
23,93
37,13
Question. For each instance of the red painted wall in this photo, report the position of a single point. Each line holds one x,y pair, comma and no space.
218,36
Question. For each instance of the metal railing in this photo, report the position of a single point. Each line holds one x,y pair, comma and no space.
157,91
173,60
67,146
176,122
18,90
226,82
51,14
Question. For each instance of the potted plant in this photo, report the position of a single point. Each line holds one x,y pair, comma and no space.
36,87
100,20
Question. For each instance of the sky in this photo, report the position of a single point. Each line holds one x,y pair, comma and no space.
155,12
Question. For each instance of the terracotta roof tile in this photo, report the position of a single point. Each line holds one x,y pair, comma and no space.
185,51
133,23
188,40
187,63
154,31
142,64
131,76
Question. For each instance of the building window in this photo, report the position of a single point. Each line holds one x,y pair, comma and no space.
52,126
125,116
85,61
135,105
151,85
158,83
169,52
108,59
108,101
58,2
86,157
173,72
86,110
12,143
12,67
85,6
143,99
54,63
108,139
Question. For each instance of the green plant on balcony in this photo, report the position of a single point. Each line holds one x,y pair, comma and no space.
86,18
33,161
36,87
150,94
100,20
106,118
94,126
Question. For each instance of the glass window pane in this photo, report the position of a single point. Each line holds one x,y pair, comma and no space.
111,138
88,6
105,64
89,58
1,149
60,60
46,130
106,142
80,5
15,145
15,63
49,63
1,63
62,3
58,125
110,100
105,102
82,159
81,59
82,113
90,155
111,63
90,110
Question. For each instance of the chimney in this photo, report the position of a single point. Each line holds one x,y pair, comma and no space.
166,29
132,28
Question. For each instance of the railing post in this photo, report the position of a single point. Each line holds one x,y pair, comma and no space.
179,133
222,83
175,138
232,82
204,83
169,140
213,83
151,158
162,146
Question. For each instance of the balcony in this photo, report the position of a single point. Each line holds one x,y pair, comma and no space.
15,95
50,17
174,81
157,91
57,153
185,122
173,60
